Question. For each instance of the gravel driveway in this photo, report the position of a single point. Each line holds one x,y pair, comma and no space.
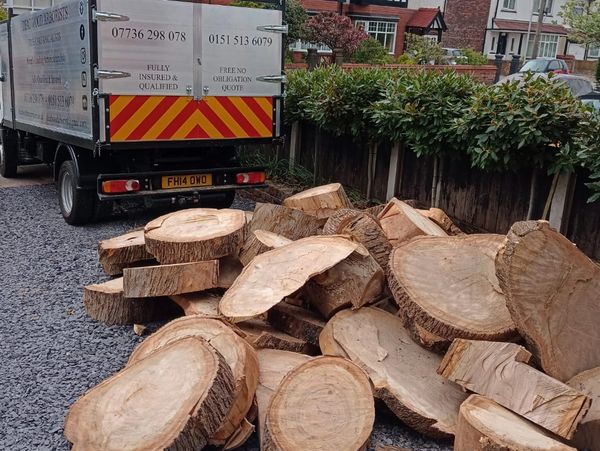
50,351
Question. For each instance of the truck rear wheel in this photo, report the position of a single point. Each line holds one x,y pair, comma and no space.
76,206
8,156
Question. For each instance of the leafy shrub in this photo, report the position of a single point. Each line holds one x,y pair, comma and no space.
405,58
335,31
371,51
424,50
472,58
301,90
598,72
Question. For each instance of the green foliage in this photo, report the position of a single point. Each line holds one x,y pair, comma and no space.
405,58
472,58
424,50
295,16
421,109
583,19
301,91
371,51
277,170
598,72
249,4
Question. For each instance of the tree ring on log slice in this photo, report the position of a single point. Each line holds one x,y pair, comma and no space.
123,251
485,425
188,382
448,286
196,234
401,222
325,403
321,201
238,354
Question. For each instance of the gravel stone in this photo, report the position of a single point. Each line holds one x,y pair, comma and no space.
50,351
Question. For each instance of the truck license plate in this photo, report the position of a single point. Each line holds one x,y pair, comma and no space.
186,181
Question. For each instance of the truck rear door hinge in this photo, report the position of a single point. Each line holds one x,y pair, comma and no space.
281,29
109,74
272,78
108,17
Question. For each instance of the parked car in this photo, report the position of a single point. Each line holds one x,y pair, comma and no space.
592,99
578,85
452,55
545,65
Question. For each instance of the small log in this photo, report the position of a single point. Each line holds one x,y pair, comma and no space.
188,381
196,234
448,286
484,425
297,322
321,201
364,229
274,366
552,290
167,280
356,281
272,276
261,335
259,242
123,251
204,304
587,435
400,223
139,329
330,397
238,354
229,269
500,371
106,302
440,217
403,373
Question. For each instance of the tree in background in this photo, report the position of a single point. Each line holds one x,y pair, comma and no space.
371,51
3,12
583,17
334,31
424,50
295,16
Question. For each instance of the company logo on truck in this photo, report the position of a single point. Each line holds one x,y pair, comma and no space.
45,18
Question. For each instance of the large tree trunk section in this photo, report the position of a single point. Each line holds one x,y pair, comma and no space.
167,280
297,322
325,403
229,269
321,201
259,242
204,304
196,234
272,276
553,293
403,373
440,217
261,335
484,425
123,251
238,354
587,435
274,366
363,228
400,222
106,302
500,371
354,282
448,286
188,382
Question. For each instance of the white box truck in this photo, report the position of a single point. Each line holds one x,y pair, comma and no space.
140,98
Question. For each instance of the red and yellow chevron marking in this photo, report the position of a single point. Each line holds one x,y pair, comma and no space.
173,118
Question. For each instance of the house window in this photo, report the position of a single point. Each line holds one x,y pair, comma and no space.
548,46
384,32
536,6
594,52
509,4
493,47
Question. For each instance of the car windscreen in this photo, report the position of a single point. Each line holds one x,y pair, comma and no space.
535,66
594,103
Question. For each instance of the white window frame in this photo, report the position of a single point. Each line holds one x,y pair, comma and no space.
594,51
372,28
509,5
548,46
549,6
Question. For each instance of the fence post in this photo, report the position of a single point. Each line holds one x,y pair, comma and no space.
498,63
393,171
515,64
294,143
560,208
312,58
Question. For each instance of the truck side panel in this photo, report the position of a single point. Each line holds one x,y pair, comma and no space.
6,104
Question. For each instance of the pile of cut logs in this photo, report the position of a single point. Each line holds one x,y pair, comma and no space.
296,317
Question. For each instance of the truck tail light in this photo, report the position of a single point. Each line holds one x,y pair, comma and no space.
120,186
250,178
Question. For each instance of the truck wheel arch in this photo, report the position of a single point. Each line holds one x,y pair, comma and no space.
65,152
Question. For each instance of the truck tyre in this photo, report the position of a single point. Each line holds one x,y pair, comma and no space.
76,206
8,156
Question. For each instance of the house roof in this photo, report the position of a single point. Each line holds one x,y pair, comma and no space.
520,25
426,18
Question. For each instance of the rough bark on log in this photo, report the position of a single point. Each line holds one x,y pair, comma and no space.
261,335
259,242
274,366
484,425
196,234
440,217
188,381
363,228
428,340
330,397
553,293
204,304
403,373
238,354
321,201
375,210
400,223
167,280
297,322
106,302
272,276
123,251
356,281
587,435
448,286
500,371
